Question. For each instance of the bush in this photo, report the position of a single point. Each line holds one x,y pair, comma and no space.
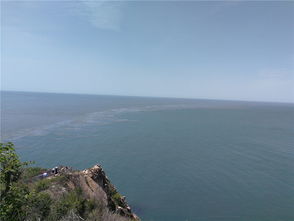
11,166
61,179
71,201
31,172
13,202
117,198
42,185
38,205
13,194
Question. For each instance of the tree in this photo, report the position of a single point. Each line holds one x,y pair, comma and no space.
11,166
13,194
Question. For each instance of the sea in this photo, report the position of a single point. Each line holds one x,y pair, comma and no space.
173,159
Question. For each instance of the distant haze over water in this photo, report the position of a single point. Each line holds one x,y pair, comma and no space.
174,159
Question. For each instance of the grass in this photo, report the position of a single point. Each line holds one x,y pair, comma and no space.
31,172
44,184
73,201
116,196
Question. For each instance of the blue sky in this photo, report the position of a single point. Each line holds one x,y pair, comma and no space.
236,50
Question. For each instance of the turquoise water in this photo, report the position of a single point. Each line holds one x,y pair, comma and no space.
174,159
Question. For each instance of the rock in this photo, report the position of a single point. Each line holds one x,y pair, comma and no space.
95,185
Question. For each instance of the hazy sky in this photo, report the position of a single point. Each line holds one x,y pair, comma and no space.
223,50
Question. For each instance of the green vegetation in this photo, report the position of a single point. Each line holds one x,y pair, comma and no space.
117,199
30,172
72,201
38,205
24,196
115,196
14,195
11,167
42,185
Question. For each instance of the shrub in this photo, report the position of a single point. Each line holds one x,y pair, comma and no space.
116,197
13,202
38,205
62,179
71,201
42,185
11,166
31,172
13,194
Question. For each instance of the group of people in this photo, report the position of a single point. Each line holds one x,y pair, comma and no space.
54,171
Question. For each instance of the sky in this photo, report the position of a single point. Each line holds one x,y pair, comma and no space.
236,50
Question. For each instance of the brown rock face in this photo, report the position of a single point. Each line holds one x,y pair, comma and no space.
115,201
94,184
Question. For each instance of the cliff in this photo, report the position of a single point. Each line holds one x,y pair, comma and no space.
60,194
91,185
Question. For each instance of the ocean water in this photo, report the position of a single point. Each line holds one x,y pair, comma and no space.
174,159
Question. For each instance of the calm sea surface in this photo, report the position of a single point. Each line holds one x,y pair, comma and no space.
174,159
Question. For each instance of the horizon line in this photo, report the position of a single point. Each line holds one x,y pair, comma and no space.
145,96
